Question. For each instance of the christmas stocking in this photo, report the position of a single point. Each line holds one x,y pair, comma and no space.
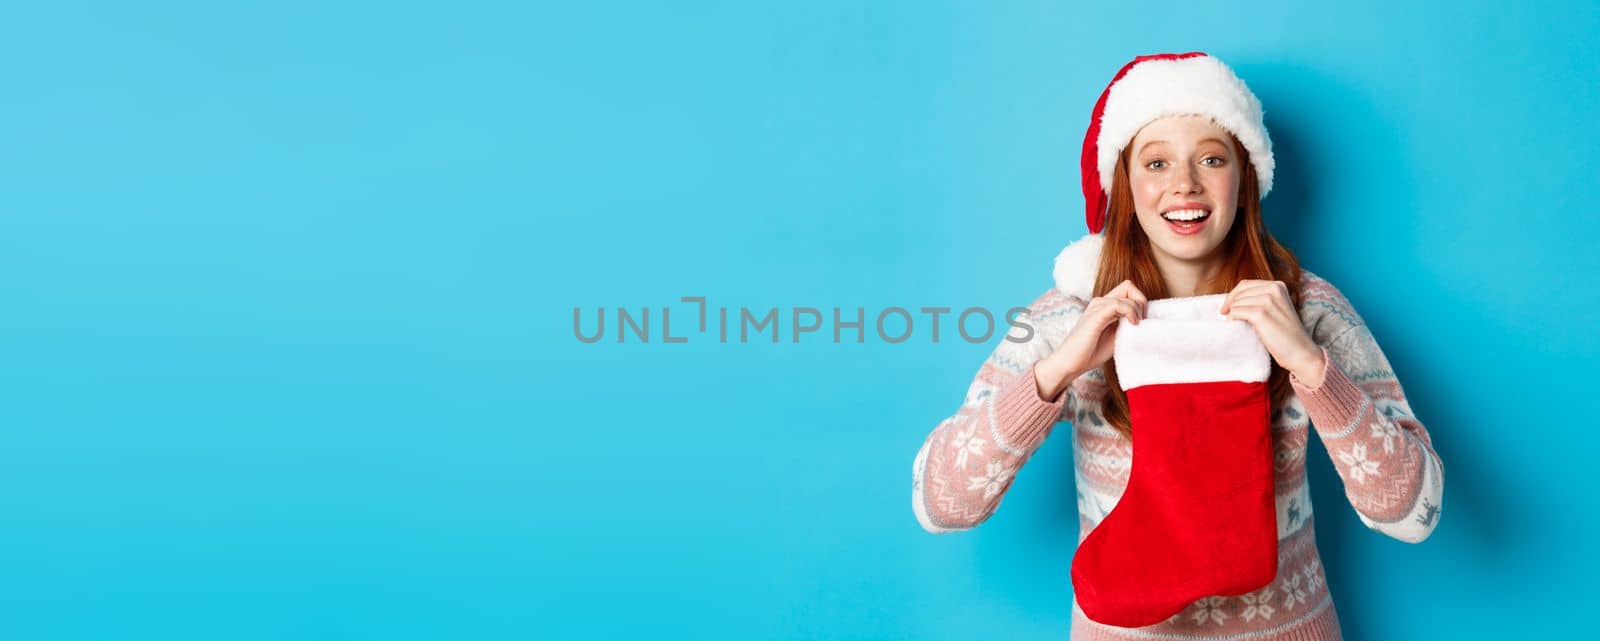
1197,518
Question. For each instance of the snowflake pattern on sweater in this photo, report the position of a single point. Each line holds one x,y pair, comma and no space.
1392,476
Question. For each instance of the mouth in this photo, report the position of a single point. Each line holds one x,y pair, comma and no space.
1186,221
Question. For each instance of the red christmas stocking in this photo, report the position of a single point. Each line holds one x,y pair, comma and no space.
1197,518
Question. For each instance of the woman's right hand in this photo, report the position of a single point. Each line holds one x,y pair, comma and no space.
1092,340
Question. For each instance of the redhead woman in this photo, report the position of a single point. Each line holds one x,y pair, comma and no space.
1231,357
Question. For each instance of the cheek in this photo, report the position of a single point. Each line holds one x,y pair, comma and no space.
1225,221
1225,183
1146,189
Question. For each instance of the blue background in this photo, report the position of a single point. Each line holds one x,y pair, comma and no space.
289,353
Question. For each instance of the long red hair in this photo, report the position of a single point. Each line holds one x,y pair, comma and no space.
1249,252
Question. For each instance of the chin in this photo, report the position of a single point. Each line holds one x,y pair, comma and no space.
1196,250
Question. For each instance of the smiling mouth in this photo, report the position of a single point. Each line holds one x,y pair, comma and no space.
1186,221
1182,216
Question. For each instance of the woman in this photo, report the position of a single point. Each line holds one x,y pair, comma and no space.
1175,163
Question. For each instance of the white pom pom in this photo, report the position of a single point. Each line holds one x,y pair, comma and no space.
1077,265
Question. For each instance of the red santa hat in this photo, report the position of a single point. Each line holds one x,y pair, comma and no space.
1147,88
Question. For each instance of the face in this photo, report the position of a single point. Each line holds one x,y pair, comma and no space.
1180,165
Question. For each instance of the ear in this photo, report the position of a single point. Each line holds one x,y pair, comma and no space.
1077,265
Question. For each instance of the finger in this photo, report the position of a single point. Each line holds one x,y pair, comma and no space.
1103,311
1129,309
1250,308
1227,301
1119,291
1272,302
1111,305
1127,289
1256,299
1140,298
1250,302
1245,286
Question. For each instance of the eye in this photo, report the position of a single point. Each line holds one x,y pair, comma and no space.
1148,164
1220,161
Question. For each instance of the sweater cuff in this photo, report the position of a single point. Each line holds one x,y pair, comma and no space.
1021,418
1334,405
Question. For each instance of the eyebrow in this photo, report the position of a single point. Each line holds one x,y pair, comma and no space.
1152,142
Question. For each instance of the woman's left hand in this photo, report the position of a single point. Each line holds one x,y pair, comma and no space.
1266,306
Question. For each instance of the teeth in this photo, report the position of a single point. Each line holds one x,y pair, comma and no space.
1185,214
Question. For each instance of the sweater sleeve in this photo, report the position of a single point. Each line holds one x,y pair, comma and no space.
1392,476
969,460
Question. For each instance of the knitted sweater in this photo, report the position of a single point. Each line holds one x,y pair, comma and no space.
1391,474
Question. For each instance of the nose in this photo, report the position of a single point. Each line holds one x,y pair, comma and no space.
1187,181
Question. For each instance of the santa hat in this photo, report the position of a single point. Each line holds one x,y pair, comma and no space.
1147,88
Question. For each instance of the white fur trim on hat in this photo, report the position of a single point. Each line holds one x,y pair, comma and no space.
1199,85
1187,340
